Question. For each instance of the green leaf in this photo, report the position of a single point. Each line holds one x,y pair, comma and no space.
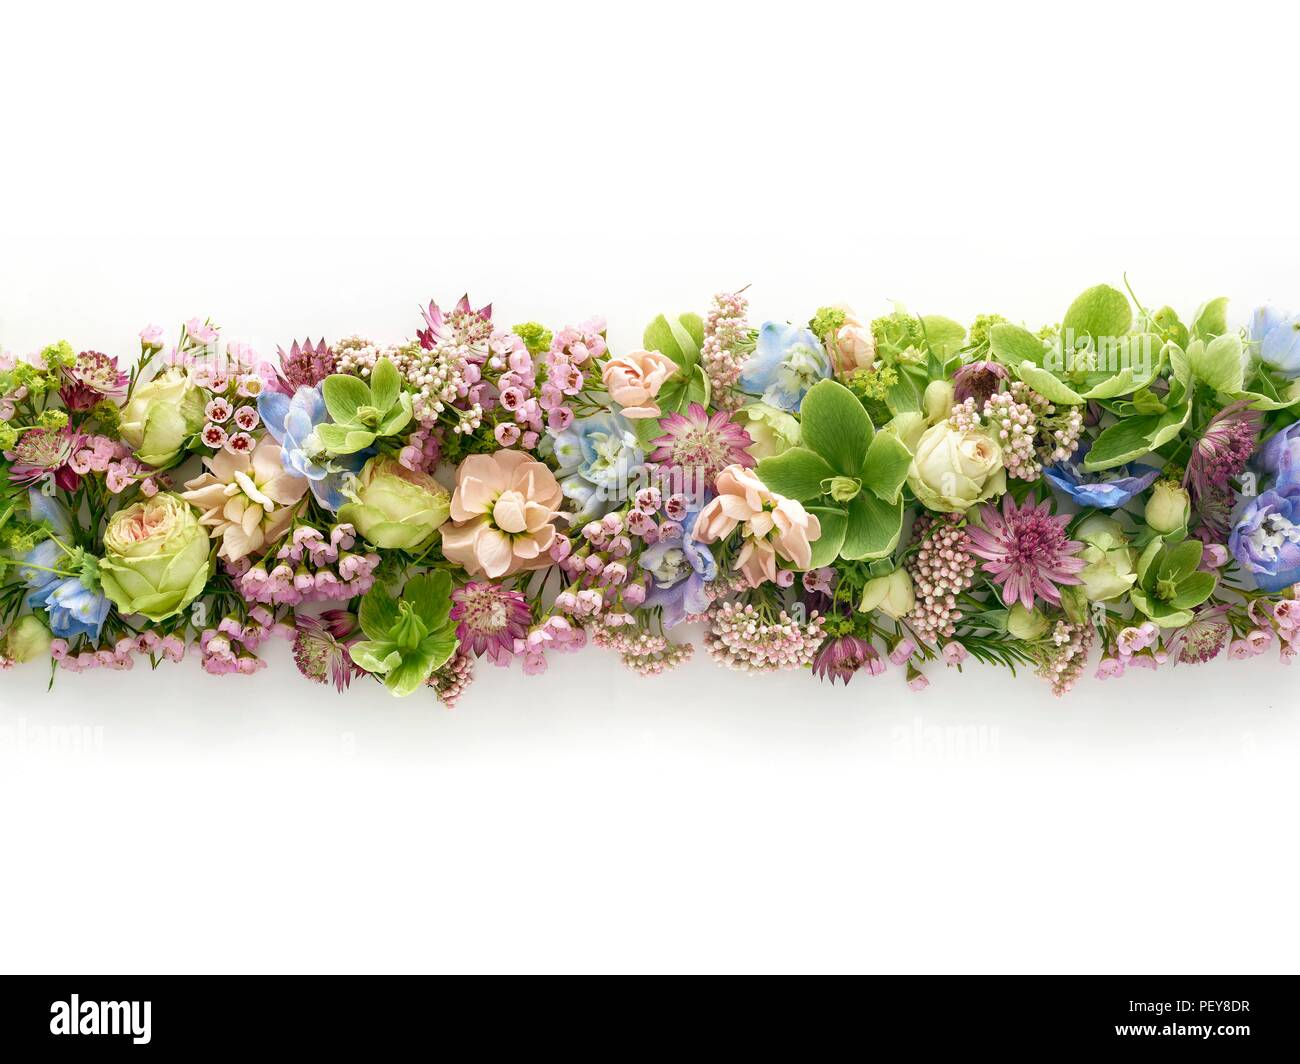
1148,558
398,417
826,548
903,395
1014,345
885,469
944,335
1170,325
697,388
674,339
1162,613
873,529
1212,319
1178,562
797,473
378,612
836,426
378,656
1048,384
694,326
385,385
340,439
1100,311
1218,363
1193,590
344,395
1134,437
409,676
430,595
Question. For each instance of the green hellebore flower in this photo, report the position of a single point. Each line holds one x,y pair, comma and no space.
409,636
363,413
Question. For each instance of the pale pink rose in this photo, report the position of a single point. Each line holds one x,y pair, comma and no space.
501,514
772,525
633,380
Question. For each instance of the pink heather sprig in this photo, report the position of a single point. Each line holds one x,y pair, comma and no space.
727,345
942,568
573,351
740,638
307,567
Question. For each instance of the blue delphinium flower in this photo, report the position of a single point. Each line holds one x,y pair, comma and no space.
292,422
1266,540
787,361
1105,490
1280,456
73,608
598,457
679,569
1278,337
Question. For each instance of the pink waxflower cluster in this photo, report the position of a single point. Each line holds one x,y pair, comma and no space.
229,426
556,634
121,655
598,568
230,648
573,351
308,567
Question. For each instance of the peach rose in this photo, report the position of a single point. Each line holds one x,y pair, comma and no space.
772,525
501,512
634,379
853,346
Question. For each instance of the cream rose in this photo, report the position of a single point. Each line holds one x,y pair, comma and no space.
953,469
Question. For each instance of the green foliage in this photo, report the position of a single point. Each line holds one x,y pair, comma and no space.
1170,584
364,413
680,339
409,636
848,475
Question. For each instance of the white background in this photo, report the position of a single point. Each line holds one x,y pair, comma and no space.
324,168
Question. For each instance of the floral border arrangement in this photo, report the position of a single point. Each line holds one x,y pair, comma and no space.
837,495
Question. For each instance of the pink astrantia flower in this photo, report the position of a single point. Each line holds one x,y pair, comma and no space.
1025,550
705,445
490,619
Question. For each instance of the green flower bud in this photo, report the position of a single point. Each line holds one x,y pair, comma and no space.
161,415
1109,572
892,595
1168,508
395,508
28,639
1026,624
938,402
157,557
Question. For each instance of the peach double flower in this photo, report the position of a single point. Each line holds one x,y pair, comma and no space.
633,380
772,525
501,512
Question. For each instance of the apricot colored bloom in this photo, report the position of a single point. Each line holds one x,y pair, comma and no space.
501,514
634,379
773,526
248,500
